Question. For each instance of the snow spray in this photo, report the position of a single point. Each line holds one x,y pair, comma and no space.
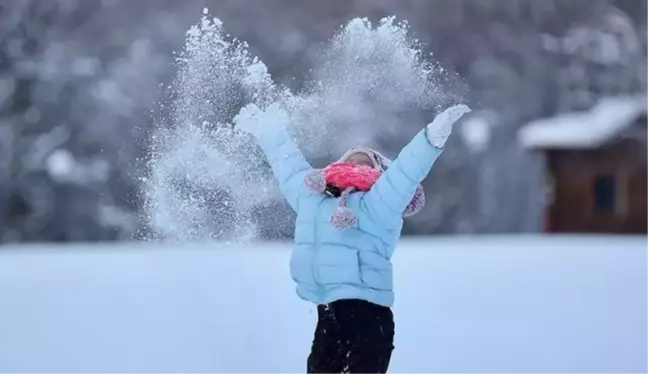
206,180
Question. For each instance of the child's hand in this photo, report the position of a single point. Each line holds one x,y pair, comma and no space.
257,121
247,119
440,128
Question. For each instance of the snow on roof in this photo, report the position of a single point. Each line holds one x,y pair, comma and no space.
588,129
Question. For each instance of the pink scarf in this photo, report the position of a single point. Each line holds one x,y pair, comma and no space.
344,175
347,178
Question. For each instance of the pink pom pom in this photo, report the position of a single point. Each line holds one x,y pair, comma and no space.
315,181
417,203
343,218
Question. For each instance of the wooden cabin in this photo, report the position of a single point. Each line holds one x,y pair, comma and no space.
596,165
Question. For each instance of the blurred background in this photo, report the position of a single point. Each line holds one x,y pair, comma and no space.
557,141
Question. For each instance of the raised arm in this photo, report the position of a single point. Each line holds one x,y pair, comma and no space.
288,164
394,190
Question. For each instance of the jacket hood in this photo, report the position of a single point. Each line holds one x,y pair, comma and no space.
380,162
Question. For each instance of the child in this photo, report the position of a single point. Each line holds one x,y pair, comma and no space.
349,218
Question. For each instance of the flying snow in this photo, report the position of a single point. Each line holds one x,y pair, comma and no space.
205,179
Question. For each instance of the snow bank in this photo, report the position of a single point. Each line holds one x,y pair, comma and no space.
501,304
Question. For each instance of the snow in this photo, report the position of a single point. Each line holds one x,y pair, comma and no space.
476,133
60,164
610,40
587,129
482,304
364,79
64,168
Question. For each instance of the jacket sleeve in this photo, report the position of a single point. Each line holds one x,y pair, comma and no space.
288,164
394,190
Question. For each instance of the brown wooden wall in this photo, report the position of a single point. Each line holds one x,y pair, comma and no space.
573,173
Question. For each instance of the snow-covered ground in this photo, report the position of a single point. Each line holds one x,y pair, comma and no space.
499,304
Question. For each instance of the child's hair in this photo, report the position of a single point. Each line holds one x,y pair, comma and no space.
333,191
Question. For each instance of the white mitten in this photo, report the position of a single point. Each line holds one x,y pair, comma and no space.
247,119
257,121
440,128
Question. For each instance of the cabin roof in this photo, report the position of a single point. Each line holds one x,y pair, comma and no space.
586,129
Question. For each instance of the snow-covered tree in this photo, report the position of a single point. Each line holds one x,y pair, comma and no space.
599,57
76,80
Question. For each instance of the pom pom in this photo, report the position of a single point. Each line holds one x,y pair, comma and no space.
315,181
417,203
343,218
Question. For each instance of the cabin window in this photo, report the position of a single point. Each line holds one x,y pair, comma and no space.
606,193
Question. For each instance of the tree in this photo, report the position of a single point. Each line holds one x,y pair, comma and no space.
72,114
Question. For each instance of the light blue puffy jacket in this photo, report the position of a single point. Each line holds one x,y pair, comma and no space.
329,264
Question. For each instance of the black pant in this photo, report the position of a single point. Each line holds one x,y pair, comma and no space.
352,336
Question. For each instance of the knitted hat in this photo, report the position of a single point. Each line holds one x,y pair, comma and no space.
341,179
